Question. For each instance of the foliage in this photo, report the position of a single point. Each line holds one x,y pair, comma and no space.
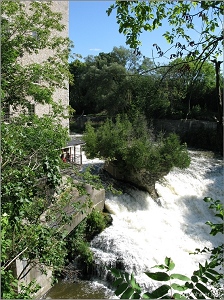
182,17
187,41
204,283
34,197
88,176
30,177
183,86
26,30
216,254
218,207
96,222
9,284
109,82
78,245
130,144
30,156
106,83
126,285
78,239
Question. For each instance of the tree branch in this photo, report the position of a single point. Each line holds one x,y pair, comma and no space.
5,267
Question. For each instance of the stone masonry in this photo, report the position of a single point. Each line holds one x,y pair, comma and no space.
60,94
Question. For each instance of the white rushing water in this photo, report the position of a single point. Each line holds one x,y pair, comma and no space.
145,231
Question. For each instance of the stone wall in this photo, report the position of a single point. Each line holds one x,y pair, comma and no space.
141,179
196,133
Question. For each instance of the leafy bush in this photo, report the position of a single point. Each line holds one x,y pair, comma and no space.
96,222
30,182
132,146
78,241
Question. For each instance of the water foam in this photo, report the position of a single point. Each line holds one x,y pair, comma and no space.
145,231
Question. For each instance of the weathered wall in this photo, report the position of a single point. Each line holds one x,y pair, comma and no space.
43,280
142,179
196,133
98,199
183,126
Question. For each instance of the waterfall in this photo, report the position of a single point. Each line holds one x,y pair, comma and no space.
145,231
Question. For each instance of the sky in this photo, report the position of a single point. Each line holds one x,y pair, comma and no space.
93,31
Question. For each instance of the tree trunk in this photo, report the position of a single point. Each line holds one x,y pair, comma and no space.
219,103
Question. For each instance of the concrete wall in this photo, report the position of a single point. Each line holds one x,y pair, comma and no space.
196,133
45,281
98,199
183,126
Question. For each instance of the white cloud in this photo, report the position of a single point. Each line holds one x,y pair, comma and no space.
95,49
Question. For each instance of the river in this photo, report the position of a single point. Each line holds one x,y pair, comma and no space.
145,231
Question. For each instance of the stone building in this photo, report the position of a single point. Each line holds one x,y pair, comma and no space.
60,94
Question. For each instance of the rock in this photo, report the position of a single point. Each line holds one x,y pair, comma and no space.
141,179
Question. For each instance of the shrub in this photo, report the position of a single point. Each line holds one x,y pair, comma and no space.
96,222
132,146
78,240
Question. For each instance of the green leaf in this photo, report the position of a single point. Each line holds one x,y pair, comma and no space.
198,294
210,276
161,291
128,293
134,284
115,272
213,272
213,264
178,296
127,276
194,278
203,289
136,296
170,264
179,287
159,276
219,215
121,289
201,268
189,285
180,277
204,279
160,267
117,282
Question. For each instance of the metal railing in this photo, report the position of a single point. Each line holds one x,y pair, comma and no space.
75,159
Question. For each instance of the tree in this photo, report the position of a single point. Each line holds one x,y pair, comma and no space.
30,180
183,17
27,32
76,94
184,88
30,145
137,155
110,82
